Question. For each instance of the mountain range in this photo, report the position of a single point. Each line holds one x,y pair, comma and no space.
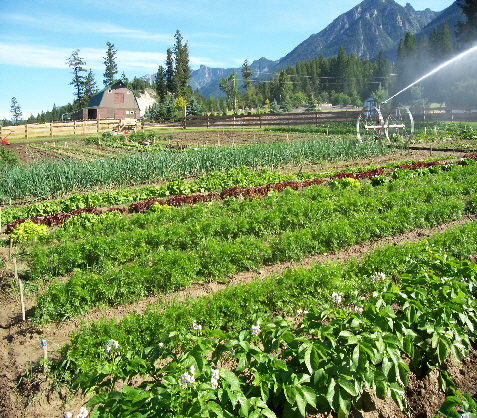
367,28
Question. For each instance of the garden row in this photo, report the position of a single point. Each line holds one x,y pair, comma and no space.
214,181
116,260
49,179
344,344
208,181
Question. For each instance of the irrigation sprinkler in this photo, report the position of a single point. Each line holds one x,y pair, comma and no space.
371,124
399,122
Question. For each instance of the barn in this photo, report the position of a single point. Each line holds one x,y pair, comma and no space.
115,101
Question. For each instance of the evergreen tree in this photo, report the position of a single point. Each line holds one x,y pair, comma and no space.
406,64
111,68
160,83
15,110
124,79
467,31
193,107
90,87
76,63
446,42
169,73
247,75
182,70
274,107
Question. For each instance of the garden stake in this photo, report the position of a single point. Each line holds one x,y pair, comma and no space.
10,249
45,354
20,288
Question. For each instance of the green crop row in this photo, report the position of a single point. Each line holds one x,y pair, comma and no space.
231,309
50,179
322,361
214,181
122,260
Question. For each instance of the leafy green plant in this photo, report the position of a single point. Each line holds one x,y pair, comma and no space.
458,405
323,361
28,231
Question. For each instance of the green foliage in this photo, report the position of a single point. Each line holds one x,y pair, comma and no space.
344,183
49,179
28,231
240,235
458,405
7,158
321,361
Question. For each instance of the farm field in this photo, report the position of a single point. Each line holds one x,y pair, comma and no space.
165,271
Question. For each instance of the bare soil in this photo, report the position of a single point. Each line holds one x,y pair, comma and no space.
25,394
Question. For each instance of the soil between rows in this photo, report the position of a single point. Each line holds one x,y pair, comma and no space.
25,395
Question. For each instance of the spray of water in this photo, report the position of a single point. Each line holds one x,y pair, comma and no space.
440,67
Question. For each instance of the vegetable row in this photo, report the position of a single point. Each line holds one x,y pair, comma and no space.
120,259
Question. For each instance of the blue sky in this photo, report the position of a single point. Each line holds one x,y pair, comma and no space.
38,36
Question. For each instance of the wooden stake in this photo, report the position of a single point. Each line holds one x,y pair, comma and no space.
45,354
20,288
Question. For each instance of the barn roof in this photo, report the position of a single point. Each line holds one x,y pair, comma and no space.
95,99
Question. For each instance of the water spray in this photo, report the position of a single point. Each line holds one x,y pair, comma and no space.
440,67
399,121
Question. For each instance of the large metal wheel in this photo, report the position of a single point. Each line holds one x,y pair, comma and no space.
370,124
399,124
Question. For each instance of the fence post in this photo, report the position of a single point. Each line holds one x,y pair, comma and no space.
26,131
51,129
97,125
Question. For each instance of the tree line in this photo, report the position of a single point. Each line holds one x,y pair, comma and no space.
341,80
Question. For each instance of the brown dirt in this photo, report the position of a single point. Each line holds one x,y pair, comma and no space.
27,394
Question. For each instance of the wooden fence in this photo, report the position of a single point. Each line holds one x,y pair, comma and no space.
94,127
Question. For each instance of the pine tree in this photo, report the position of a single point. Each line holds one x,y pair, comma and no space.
247,75
15,111
181,67
76,63
160,83
467,31
111,68
446,42
169,73
90,86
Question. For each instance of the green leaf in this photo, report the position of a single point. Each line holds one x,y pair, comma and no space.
356,357
242,362
352,339
307,358
348,386
217,409
309,395
231,379
300,402
244,403
233,397
290,394
381,390
344,403
288,337
443,348
330,394
268,413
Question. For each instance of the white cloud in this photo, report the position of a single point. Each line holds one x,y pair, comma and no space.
45,56
66,24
